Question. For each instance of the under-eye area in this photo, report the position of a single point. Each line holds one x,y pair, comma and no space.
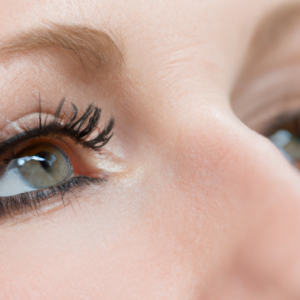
41,165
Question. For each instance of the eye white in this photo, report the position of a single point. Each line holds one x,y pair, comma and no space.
13,183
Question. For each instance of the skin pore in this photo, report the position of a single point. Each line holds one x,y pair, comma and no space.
197,204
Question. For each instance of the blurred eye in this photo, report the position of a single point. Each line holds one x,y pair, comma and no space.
287,139
38,167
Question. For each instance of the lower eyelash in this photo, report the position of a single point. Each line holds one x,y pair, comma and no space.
22,203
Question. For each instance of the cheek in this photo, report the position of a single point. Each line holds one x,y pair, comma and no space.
112,249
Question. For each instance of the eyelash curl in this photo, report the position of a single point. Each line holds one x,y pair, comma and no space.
77,129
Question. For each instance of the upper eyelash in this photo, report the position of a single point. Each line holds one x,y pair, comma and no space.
76,129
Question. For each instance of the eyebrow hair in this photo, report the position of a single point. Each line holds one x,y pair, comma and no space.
91,46
274,27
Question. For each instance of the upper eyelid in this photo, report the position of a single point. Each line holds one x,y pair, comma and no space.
77,129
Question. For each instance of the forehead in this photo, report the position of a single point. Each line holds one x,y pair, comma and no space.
157,39
166,21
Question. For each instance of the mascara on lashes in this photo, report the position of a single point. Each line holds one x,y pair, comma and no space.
74,129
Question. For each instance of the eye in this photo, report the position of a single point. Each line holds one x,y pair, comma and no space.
286,138
38,167
57,154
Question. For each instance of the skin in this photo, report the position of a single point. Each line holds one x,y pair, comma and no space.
198,204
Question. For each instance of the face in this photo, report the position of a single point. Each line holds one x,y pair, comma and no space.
178,189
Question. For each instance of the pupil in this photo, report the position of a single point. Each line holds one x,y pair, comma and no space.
48,161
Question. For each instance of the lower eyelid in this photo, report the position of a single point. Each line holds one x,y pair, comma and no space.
42,201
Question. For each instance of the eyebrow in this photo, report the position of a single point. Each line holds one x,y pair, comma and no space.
91,46
275,26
